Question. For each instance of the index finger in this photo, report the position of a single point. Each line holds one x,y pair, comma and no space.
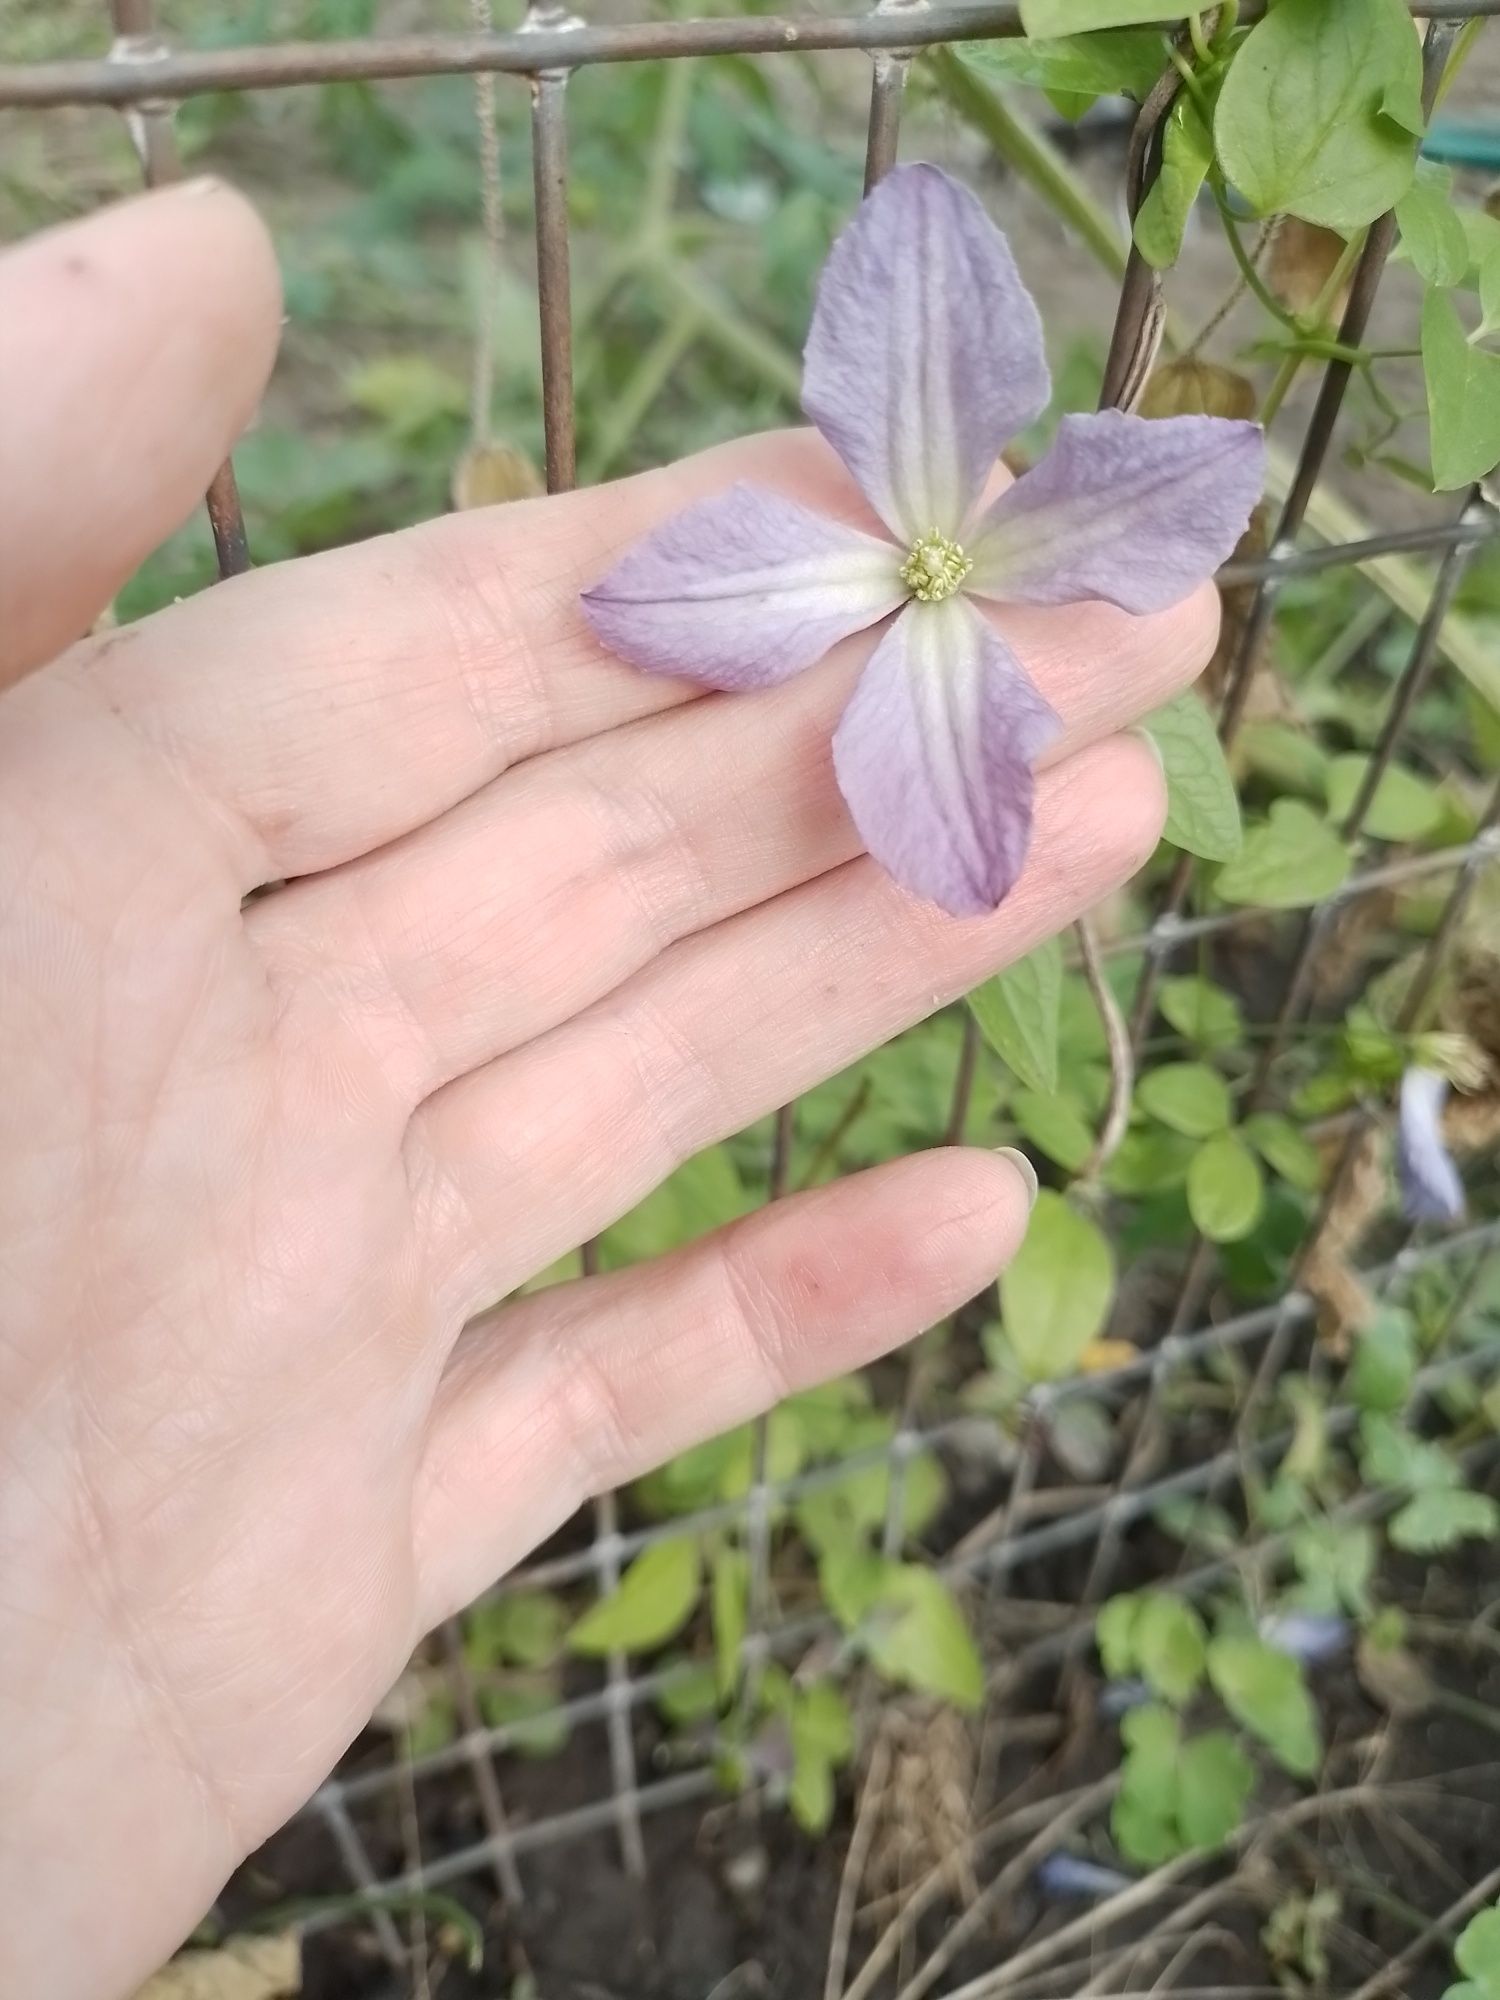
336,702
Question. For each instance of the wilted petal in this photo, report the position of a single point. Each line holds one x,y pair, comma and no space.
925,353
1308,1636
1067,1878
1134,510
743,590
934,756
1431,1190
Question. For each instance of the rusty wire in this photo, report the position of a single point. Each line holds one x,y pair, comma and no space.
142,76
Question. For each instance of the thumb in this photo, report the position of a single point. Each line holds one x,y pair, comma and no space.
134,347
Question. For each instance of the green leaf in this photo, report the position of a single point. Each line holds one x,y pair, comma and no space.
1017,1012
530,1709
1391,1456
1476,1952
1431,232
1304,122
916,1634
1188,1096
1203,811
1291,860
1385,1360
1086,66
523,1628
1214,1782
655,1599
1463,397
821,1718
1114,1634
822,1734
851,1576
1264,1691
1144,1817
1335,1561
1055,1125
1285,1150
1225,1190
1405,806
704,1192
1056,1292
1152,1736
1202,1012
1169,1643
1435,1521
1187,154
1044,18
729,1599
691,1694
1149,1160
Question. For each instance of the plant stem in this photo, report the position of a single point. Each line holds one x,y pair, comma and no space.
1289,370
1030,153
1253,280
760,352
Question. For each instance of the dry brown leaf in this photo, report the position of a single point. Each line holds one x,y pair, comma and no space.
488,474
243,1968
1302,259
1192,388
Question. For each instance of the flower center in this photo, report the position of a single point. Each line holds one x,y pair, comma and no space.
935,568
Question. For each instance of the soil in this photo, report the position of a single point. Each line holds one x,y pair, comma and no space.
739,1905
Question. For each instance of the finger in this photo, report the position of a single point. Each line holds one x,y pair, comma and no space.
547,889
357,694
578,1389
134,347
519,1161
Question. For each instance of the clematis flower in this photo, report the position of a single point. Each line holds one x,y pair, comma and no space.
924,359
1431,1190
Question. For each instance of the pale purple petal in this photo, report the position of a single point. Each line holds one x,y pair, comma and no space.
1067,1878
934,756
925,352
743,590
1308,1636
1431,1190
1134,510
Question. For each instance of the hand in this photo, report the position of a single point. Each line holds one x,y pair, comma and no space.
549,926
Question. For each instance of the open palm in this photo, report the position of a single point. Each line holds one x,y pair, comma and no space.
548,926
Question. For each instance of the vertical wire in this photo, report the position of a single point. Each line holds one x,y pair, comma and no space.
549,172
1197,1277
149,122
1413,679
1316,440
328,1802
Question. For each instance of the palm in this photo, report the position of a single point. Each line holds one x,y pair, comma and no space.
548,928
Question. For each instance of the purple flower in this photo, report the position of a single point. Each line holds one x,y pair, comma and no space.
1067,1878
1431,1190
1308,1636
924,359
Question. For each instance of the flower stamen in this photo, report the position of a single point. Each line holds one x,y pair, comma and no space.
935,568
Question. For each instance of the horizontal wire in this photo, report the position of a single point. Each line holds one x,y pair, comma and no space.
684,1787
1030,1545
142,73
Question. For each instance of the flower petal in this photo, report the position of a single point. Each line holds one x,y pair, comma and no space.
1136,510
934,754
1431,1189
743,590
925,352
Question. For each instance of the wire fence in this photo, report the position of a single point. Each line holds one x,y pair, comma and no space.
144,78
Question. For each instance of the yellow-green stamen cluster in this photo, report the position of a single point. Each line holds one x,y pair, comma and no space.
935,568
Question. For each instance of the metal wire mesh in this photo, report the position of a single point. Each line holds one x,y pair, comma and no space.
143,77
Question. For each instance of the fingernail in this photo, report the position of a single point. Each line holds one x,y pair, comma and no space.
1145,736
204,184
1024,1168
